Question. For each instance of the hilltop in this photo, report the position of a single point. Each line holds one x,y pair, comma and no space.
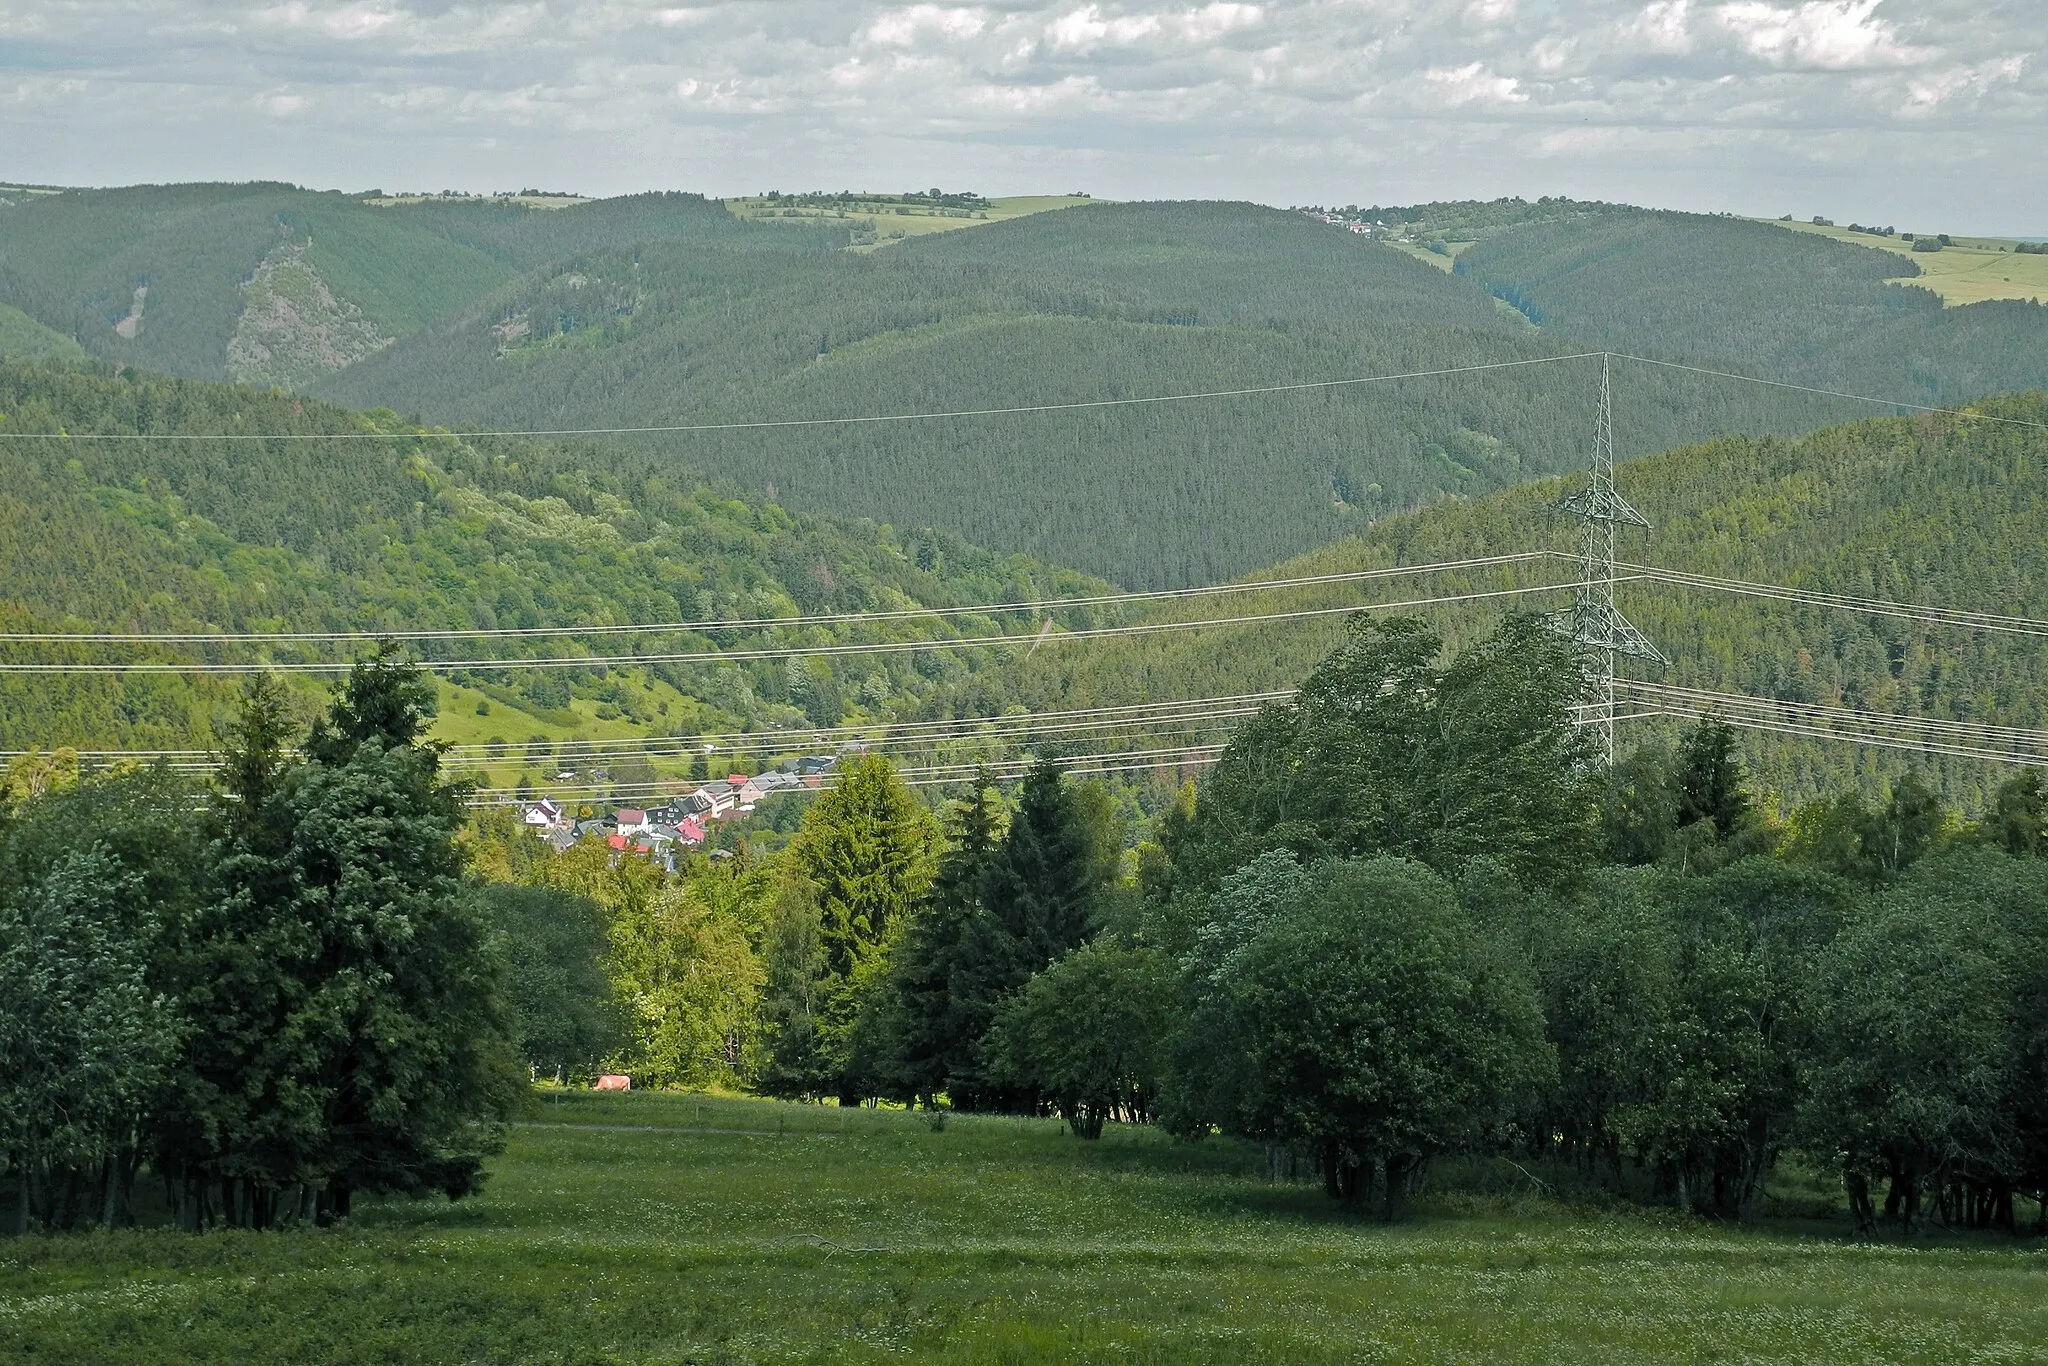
271,284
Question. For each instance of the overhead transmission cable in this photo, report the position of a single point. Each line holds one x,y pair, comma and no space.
766,623
715,654
685,428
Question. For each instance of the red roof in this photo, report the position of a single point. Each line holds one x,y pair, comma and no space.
632,815
737,779
615,841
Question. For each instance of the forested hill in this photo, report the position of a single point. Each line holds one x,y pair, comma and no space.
1102,302
1767,301
409,531
272,284
1938,511
1111,301
668,309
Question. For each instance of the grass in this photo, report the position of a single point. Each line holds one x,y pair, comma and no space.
894,223
1971,270
682,1228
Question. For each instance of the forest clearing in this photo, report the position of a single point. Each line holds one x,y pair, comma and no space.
680,1227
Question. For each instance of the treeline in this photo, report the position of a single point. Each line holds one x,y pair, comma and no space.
1405,916
1761,300
275,996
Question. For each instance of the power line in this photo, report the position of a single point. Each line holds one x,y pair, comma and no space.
1834,393
716,655
763,623
1933,616
675,429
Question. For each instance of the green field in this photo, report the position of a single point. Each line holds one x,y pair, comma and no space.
683,1228
891,222
1971,270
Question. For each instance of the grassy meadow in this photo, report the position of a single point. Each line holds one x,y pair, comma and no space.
684,1228
1971,270
896,222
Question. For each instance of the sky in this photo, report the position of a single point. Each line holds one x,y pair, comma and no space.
1919,113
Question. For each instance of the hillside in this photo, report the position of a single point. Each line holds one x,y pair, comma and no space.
672,310
1944,512
404,531
1111,301
1095,303
272,284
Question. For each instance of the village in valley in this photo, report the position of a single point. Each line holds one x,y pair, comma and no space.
679,823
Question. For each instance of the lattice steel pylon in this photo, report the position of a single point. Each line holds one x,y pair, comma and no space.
1593,620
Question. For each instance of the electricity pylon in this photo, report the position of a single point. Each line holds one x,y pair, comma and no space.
1593,621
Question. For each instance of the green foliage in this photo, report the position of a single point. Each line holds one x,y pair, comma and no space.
928,1024
1940,511
84,1040
1087,1034
1385,749
561,1001
1790,306
74,261
1928,1038
864,853
1378,1026
406,532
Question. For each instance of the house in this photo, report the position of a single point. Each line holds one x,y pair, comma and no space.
561,839
631,820
585,829
776,781
689,831
815,763
717,799
542,814
750,792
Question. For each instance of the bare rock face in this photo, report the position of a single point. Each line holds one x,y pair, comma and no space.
292,329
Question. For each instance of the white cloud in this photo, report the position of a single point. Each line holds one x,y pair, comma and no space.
1834,35
1663,26
1706,103
1940,86
1474,82
902,27
1087,28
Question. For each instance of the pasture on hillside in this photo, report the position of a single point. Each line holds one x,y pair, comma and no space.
1970,270
688,1228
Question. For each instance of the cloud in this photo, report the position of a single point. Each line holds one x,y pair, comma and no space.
1475,82
1833,35
1868,108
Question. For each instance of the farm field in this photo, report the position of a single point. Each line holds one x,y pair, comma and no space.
673,1228
1971,270
892,222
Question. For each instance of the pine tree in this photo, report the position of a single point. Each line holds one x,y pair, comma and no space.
933,1043
1711,779
1037,902
865,850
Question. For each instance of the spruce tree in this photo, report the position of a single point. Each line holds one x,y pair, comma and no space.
1037,902
1711,779
933,1044
865,850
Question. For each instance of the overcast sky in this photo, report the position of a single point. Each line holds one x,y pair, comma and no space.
1930,113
